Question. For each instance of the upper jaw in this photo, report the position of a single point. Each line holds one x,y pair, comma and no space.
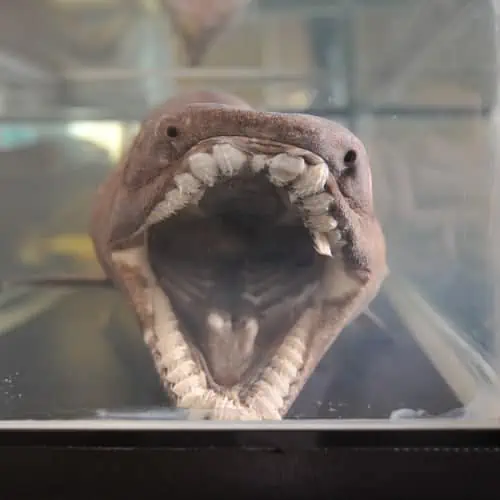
312,189
304,175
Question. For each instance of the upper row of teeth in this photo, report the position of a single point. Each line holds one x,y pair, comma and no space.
305,184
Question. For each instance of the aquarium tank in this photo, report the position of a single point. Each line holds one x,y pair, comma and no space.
416,82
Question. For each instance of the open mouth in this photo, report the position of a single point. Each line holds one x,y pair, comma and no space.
230,278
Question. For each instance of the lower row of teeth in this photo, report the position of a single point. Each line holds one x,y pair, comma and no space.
305,184
185,379
188,383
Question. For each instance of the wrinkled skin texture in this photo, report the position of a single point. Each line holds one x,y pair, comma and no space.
245,241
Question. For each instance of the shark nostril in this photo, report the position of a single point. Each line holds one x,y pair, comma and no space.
350,157
172,131
350,163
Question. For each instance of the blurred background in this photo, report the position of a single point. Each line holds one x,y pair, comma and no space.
417,81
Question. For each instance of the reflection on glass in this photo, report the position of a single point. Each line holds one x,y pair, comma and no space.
417,85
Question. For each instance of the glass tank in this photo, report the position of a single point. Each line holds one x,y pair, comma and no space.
416,82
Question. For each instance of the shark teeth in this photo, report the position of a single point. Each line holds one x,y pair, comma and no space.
229,159
321,244
300,173
312,181
284,169
204,167
300,177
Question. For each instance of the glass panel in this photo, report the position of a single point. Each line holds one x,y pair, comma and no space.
433,192
417,85
437,56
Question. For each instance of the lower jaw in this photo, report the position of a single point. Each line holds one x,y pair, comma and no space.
185,382
267,398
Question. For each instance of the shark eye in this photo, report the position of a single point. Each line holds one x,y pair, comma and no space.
172,131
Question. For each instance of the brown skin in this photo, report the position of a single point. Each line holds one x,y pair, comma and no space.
146,173
111,192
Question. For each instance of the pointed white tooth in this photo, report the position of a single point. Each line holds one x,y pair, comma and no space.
174,201
160,212
317,204
204,167
187,184
258,162
293,197
321,244
312,181
321,223
229,159
188,190
284,168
